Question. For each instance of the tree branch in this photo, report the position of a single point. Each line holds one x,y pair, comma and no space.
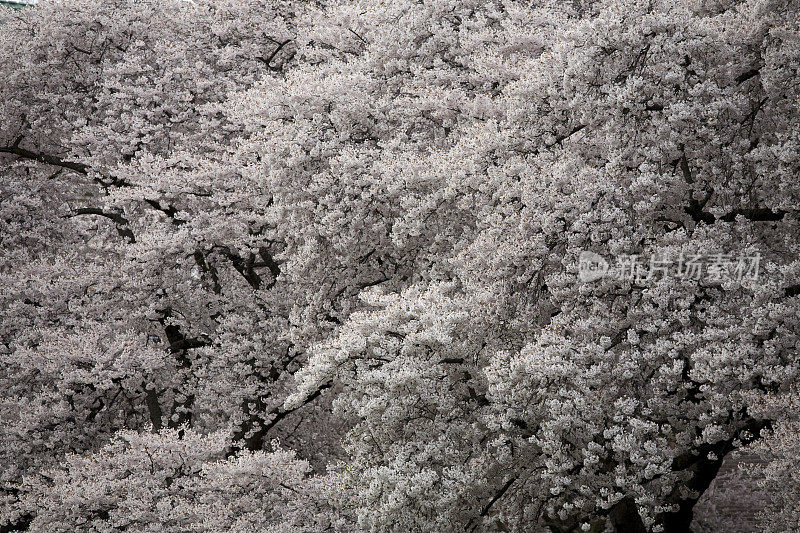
562,138
170,211
44,158
256,440
178,344
268,60
752,73
153,407
120,221
497,495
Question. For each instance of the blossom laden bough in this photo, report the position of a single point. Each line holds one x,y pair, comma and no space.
360,228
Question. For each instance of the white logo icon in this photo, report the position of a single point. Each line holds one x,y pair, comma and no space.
591,267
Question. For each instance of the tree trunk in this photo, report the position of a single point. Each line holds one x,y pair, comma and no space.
625,517
704,471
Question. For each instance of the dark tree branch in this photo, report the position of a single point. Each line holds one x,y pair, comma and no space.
255,441
44,158
202,264
561,138
178,346
696,209
246,266
758,214
120,221
268,60
360,38
81,168
271,264
153,407
752,73
170,211
499,494
475,522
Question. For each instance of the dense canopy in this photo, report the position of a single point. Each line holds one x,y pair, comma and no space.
319,266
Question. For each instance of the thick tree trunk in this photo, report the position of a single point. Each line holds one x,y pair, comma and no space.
704,471
153,407
625,517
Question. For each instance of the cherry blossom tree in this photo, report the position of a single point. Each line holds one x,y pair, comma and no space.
356,227
122,276
497,390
